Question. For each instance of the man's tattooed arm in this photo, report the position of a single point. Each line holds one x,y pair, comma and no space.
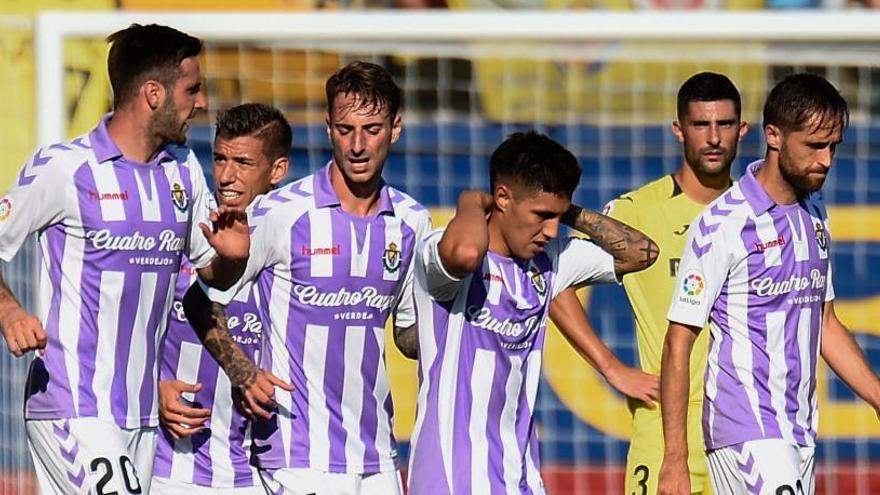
632,250
209,321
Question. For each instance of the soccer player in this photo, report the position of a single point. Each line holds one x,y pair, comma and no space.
251,145
114,211
482,294
757,267
709,128
332,256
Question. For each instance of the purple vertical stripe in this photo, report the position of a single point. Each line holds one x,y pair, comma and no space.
158,312
494,426
461,442
369,421
333,380
791,337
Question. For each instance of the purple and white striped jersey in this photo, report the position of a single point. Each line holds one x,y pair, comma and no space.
329,281
111,234
218,456
759,272
481,340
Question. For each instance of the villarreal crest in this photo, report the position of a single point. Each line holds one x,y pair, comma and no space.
391,258
179,197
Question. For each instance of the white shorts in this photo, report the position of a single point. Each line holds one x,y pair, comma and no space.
763,467
89,455
304,481
162,486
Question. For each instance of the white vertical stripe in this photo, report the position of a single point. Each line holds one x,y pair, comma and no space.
314,360
513,285
360,253
221,423
321,233
353,397
150,209
69,316
188,366
775,321
448,385
767,233
393,233
493,294
711,382
804,354
741,342
173,176
157,340
137,354
512,457
108,328
381,392
427,356
112,210
182,460
275,334
533,376
481,392
800,236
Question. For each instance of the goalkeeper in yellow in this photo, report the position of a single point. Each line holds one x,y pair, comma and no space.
709,129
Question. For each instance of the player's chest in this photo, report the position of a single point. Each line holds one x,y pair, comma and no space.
340,251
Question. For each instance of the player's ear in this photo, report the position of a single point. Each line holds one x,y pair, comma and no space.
396,128
503,196
154,93
677,132
743,129
279,170
773,136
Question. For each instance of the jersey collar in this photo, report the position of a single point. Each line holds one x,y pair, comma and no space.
106,150
325,195
754,192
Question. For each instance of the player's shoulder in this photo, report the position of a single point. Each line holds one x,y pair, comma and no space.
407,208
644,196
285,204
727,213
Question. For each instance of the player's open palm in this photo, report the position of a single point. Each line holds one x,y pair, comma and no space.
674,479
257,400
635,383
180,419
23,332
228,234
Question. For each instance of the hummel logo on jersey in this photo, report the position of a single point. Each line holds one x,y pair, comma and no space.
322,251
763,246
110,196
179,197
683,230
391,258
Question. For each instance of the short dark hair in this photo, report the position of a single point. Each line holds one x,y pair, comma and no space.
140,53
260,121
371,83
798,98
708,86
535,161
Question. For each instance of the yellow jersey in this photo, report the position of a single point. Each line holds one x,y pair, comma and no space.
664,213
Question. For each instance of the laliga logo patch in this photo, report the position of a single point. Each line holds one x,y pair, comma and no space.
179,197
391,258
692,286
821,238
537,279
5,209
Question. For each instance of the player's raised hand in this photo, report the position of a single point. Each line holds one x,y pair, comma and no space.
674,478
258,399
228,234
178,418
23,332
634,383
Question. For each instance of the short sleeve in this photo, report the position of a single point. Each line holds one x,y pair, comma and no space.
35,201
829,284
441,285
405,311
581,262
704,268
199,251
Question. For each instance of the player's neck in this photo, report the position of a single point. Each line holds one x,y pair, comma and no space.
497,243
130,134
770,178
701,188
360,199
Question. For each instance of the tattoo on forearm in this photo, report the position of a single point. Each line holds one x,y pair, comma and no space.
632,250
240,370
